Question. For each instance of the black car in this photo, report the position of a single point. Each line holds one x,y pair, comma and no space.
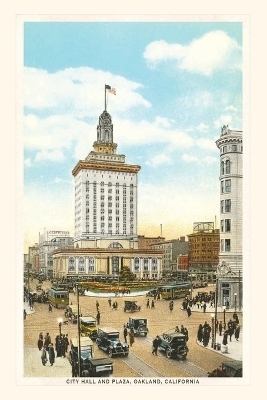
109,341
174,345
228,369
131,306
138,325
89,366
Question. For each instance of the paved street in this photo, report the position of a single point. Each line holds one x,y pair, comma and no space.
159,320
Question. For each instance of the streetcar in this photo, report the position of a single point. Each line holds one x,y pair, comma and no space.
59,298
176,291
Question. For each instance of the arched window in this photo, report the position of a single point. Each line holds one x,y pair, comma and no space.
228,167
145,264
81,265
115,245
91,264
222,168
154,264
71,264
136,264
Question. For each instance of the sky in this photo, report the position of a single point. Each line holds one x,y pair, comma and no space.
177,84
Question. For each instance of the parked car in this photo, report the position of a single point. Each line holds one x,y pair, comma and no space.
131,306
88,326
139,326
174,345
228,369
71,313
108,340
89,366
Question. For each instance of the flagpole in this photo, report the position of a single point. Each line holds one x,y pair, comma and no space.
105,98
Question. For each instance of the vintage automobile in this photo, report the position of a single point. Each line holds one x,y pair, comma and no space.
131,306
174,345
109,341
89,366
88,326
138,325
71,313
228,369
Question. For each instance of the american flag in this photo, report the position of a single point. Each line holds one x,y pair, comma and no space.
110,89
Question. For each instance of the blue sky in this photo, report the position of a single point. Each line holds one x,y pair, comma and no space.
177,83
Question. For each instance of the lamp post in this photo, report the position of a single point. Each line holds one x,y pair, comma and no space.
212,331
79,333
224,308
235,301
60,320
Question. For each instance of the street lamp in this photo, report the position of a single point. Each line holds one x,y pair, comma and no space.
235,301
224,308
212,331
60,320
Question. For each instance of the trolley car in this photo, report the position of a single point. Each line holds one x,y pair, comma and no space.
59,298
177,291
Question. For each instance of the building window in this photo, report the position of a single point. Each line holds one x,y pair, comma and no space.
228,167
227,245
222,168
228,186
71,266
234,147
136,264
81,265
91,264
222,206
228,205
222,225
154,264
224,149
227,225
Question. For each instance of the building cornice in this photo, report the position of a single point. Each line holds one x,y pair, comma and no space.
105,167
91,251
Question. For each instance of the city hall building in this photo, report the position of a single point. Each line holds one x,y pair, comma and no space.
106,192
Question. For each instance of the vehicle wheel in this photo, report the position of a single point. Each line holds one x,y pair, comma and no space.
110,352
168,353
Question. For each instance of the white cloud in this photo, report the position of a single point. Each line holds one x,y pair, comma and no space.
231,108
190,159
28,162
158,160
223,120
54,155
212,52
203,127
77,91
206,144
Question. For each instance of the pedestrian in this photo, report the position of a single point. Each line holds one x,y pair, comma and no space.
47,341
200,333
97,305
224,342
50,307
204,307
188,311
125,333
171,305
63,347
24,314
186,334
155,345
230,329
147,304
131,336
66,343
220,328
109,302
177,329
237,332
59,346
44,356
152,304
98,317
51,353
40,342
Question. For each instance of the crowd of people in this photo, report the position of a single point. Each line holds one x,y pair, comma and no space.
48,351
226,330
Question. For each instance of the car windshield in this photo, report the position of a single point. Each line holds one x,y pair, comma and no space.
88,323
